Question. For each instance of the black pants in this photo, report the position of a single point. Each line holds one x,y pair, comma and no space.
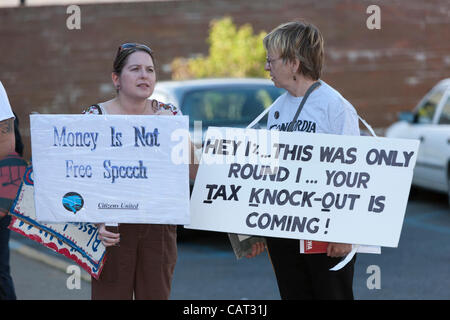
307,276
6,283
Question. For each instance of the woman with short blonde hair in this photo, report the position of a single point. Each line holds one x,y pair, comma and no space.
298,40
295,59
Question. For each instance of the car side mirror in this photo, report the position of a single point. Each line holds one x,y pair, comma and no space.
407,116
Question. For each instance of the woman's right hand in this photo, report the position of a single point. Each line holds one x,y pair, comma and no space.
106,237
257,249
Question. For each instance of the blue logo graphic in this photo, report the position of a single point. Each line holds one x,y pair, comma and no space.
73,202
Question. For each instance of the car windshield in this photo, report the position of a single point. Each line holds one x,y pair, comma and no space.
445,115
222,107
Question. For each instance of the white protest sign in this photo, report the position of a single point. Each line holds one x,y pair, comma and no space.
323,187
111,168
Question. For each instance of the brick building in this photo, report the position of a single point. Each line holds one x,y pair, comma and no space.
48,68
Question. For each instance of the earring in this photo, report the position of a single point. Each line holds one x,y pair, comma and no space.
295,79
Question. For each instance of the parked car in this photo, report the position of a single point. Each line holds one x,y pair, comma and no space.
429,122
217,102
227,102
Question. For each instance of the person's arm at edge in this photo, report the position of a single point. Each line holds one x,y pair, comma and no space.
7,139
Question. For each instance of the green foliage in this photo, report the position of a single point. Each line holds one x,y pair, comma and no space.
233,52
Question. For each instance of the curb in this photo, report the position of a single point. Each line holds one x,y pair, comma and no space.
37,255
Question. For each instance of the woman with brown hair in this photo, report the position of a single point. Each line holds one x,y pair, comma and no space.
140,258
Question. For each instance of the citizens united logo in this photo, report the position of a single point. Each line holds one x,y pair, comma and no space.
73,202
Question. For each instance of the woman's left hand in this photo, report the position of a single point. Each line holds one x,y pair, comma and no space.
338,249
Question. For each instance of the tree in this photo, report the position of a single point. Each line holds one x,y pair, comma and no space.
233,52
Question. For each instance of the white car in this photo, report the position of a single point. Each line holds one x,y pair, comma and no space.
429,123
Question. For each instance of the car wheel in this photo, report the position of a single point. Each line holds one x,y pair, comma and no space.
448,189
448,183
412,193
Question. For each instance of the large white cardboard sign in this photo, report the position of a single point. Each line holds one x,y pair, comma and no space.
111,168
303,186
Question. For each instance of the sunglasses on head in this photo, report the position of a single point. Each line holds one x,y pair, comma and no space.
126,46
